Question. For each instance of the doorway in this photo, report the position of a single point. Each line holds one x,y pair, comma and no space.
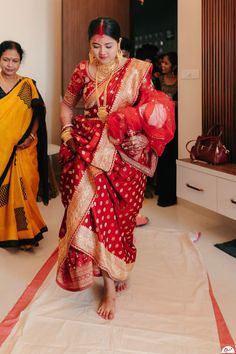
154,38
154,22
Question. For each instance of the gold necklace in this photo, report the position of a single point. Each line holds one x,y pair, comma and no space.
102,109
103,70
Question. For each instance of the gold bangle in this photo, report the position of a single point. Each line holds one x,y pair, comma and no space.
66,126
66,135
32,136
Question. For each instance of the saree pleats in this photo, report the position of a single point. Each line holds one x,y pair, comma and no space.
20,219
101,206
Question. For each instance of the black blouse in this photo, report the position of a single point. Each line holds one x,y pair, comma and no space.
2,93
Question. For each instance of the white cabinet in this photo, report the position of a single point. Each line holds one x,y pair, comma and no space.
226,191
213,187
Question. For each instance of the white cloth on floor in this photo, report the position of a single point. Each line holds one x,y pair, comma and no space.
165,310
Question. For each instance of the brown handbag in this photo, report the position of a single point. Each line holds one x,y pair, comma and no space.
209,147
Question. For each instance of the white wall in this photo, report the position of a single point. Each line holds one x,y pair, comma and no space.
189,58
36,25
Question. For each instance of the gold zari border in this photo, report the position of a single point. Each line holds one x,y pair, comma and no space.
78,207
130,84
86,240
105,154
85,192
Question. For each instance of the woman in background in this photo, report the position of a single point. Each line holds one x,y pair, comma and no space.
168,78
23,150
166,171
106,155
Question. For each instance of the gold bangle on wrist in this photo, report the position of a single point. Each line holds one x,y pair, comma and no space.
66,126
32,136
66,135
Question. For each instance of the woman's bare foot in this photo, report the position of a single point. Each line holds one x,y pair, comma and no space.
141,220
107,306
121,285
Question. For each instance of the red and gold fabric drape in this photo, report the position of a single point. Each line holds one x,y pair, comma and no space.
102,186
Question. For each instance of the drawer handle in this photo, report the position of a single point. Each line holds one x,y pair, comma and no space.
233,201
195,188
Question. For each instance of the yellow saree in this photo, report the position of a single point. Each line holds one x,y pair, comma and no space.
20,219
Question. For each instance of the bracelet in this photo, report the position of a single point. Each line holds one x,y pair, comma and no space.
70,125
66,135
32,136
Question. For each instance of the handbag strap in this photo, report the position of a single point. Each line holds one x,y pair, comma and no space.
190,141
214,128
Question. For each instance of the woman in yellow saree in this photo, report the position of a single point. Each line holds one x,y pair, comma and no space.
23,151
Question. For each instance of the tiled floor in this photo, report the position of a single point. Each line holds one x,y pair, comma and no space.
17,268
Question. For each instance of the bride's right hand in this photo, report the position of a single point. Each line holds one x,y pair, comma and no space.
71,145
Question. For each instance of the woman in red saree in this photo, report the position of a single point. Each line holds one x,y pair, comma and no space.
106,155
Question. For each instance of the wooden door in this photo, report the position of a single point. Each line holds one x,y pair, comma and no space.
219,69
76,16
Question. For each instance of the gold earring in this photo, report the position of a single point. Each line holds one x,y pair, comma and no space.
91,56
119,53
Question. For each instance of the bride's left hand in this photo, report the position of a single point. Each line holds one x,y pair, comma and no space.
135,143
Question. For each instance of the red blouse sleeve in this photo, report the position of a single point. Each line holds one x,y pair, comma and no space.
75,88
153,115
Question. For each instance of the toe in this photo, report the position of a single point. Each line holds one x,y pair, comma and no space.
111,316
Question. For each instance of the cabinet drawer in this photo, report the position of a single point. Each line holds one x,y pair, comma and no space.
226,191
196,187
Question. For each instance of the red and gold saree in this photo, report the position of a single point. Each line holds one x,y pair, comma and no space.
20,220
102,186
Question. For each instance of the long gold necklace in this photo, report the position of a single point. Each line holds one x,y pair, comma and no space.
102,109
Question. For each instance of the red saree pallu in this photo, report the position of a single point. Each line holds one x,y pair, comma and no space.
103,186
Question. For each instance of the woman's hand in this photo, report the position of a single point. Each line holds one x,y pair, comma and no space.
135,143
71,145
26,143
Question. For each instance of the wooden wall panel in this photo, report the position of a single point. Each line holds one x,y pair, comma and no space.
219,69
76,15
